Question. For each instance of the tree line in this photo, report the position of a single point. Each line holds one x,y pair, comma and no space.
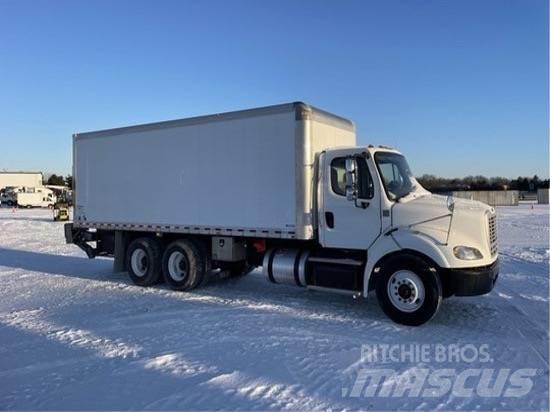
441,184
58,180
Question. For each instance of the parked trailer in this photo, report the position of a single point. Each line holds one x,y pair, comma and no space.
282,187
542,196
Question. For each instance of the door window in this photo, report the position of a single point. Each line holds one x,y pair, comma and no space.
365,186
338,176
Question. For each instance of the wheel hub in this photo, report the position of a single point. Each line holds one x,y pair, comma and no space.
406,290
139,262
177,266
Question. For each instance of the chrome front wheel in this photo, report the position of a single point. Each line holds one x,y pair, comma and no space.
409,289
406,290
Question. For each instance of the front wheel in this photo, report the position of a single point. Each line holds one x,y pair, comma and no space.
409,289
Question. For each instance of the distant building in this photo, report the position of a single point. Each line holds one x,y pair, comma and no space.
542,196
15,179
491,197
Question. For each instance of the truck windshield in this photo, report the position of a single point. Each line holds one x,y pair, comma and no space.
396,174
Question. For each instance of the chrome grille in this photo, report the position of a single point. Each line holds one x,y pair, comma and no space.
492,220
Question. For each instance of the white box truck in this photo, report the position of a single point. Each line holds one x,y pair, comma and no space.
282,187
28,197
35,197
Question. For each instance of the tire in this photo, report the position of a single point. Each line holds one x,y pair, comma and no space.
143,261
183,265
206,262
415,288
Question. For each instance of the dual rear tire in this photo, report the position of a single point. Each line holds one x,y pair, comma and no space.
143,261
183,265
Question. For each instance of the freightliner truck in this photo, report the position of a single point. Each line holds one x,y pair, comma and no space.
284,188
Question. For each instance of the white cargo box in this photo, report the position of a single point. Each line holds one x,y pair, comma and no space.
243,173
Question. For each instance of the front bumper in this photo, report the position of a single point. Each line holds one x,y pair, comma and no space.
470,281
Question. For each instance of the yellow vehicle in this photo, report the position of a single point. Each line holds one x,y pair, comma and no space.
60,211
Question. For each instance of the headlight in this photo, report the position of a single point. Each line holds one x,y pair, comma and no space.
467,253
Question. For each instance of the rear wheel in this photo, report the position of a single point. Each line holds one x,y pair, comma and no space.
206,261
409,289
143,261
183,265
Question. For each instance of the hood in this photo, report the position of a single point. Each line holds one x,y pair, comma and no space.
429,214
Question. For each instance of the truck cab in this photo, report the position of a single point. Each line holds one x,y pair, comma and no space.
419,246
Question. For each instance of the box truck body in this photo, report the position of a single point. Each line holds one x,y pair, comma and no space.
284,188
241,173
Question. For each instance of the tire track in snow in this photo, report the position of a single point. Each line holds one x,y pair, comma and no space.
535,330
34,321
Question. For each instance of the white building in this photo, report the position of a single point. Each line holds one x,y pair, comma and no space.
20,179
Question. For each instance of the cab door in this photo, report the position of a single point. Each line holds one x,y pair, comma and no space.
343,223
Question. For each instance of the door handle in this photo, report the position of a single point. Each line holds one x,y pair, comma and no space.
329,219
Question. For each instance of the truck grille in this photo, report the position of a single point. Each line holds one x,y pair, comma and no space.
492,220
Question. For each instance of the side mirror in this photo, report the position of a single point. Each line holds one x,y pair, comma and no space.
451,203
351,179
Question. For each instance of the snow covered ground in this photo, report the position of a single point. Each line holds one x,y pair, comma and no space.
73,335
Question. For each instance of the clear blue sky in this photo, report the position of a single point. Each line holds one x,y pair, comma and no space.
461,87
